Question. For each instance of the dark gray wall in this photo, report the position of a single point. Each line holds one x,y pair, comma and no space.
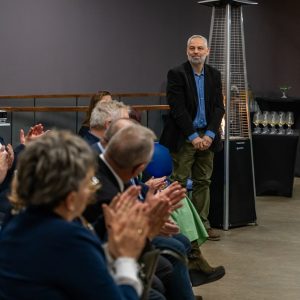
58,46
86,45
272,31
61,46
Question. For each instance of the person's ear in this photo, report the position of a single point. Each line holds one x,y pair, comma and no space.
70,202
107,123
138,169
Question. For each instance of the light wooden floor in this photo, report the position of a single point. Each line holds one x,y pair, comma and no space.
262,262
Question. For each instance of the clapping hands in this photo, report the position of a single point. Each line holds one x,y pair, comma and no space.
156,183
127,224
6,160
33,133
161,206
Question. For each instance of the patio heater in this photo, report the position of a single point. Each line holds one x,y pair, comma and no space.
232,187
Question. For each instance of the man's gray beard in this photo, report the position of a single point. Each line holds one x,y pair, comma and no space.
196,60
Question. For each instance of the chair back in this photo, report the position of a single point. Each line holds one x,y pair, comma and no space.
148,264
161,162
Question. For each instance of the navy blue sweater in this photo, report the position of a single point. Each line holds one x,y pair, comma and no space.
42,256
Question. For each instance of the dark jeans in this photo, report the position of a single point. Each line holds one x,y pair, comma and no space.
178,286
155,295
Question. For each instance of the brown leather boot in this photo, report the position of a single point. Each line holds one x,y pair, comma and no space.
197,260
200,270
213,235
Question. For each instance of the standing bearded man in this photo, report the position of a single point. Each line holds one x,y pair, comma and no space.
191,132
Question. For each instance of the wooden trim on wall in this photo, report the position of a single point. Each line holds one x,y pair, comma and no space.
75,108
81,95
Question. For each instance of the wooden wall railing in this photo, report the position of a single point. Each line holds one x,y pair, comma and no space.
15,104
77,108
82,95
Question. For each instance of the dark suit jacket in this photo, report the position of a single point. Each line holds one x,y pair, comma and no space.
96,148
83,130
109,189
183,100
90,138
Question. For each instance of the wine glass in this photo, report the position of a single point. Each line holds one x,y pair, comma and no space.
265,122
273,122
257,119
289,122
281,122
284,89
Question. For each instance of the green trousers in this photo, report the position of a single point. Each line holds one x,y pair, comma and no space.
197,165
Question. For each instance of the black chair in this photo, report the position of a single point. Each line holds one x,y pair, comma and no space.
148,263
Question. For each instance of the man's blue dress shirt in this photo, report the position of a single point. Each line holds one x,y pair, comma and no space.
200,119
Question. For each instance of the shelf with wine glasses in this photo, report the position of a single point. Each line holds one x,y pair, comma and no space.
289,104
273,122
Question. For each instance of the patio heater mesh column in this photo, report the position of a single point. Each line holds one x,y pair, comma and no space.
233,172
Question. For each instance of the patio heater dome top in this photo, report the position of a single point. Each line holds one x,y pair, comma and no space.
224,2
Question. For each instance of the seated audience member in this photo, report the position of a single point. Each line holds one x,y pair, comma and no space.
112,129
33,133
137,151
126,155
103,114
101,96
200,269
60,258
